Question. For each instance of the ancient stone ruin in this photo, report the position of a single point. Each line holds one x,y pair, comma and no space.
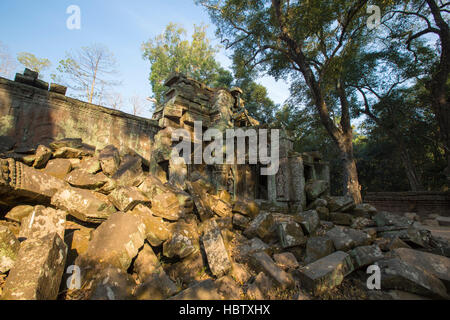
94,206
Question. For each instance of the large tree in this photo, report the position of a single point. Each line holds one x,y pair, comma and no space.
172,51
424,21
90,71
32,62
311,41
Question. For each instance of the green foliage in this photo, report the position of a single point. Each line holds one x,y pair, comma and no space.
32,62
171,52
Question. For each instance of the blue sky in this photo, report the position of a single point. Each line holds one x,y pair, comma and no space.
39,27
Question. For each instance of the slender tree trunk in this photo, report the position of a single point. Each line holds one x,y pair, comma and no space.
351,181
415,183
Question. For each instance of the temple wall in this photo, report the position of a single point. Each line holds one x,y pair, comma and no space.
33,116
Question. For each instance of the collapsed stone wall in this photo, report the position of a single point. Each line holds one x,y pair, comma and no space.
30,114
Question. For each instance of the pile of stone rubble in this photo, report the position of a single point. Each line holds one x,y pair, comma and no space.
80,223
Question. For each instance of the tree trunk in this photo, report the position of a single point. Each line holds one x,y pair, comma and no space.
415,183
351,184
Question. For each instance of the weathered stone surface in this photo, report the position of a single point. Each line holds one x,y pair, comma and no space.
262,262
384,218
263,226
317,248
443,221
147,264
58,168
260,288
217,256
286,261
317,203
109,160
364,210
37,273
183,242
247,208
43,154
342,204
43,221
309,221
112,284
240,221
189,270
205,290
115,242
9,247
158,286
130,172
326,273
249,247
20,182
315,188
324,213
69,153
342,219
83,204
157,230
67,143
362,223
57,88
398,275
198,190
126,198
240,273
220,208
438,266
365,256
167,206
81,179
90,165
17,214
345,238
290,234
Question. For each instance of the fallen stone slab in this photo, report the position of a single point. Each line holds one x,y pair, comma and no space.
240,222
43,155
9,248
41,222
200,199
262,262
147,263
112,284
317,203
157,230
90,165
342,219
247,208
109,160
364,210
126,198
167,206
315,188
317,248
263,227
324,213
365,256
398,275
158,286
216,253
183,242
58,168
260,288
286,261
20,183
72,153
384,218
309,221
67,143
220,208
340,204
130,172
116,242
37,273
84,205
346,238
81,179
326,273
17,214
249,247
290,234
205,290
438,266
